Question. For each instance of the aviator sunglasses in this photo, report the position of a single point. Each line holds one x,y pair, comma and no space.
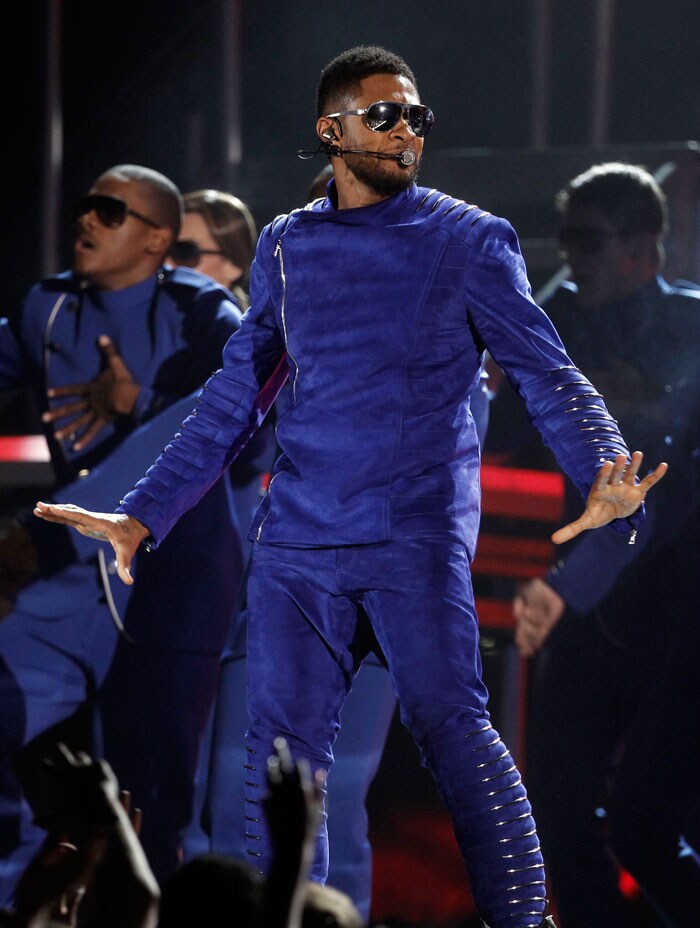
187,252
111,211
383,116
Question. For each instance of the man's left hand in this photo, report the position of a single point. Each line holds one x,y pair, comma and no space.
614,495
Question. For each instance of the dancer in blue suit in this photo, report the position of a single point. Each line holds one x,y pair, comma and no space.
114,352
383,297
614,694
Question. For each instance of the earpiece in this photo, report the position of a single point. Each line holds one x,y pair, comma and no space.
330,135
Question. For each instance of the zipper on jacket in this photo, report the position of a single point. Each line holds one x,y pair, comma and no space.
260,527
278,252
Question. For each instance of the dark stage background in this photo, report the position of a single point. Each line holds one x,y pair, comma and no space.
221,94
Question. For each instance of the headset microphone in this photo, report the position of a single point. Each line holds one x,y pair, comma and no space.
405,158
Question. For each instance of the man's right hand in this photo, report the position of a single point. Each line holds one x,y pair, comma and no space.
123,532
536,608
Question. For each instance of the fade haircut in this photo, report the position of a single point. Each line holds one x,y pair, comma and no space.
627,194
162,194
341,76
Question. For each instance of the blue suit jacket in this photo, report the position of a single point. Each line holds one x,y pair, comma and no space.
383,313
171,332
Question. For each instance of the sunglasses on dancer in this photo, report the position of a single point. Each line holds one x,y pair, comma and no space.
111,211
187,252
383,115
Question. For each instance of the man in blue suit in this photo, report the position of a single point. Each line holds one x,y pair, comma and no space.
383,297
114,352
612,766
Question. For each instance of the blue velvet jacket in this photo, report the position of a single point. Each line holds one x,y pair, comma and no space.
171,331
383,313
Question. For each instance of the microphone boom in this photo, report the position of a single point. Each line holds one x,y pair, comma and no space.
405,158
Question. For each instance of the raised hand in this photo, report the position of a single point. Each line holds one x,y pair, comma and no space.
112,393
123,532
614,495
293,807
294,800
92,848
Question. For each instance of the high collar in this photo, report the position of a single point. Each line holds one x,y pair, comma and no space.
133,294
326,210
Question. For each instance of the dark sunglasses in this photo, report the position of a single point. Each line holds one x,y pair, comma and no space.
187,252
111,211
383,116
588,240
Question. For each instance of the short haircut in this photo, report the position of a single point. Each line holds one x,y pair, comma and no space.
341,76
627,194
163,195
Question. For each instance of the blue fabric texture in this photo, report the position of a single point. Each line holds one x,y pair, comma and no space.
384,313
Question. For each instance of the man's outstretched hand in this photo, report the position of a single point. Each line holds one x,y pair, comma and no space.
614,495
123,532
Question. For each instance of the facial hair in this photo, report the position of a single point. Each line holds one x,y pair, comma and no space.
385,182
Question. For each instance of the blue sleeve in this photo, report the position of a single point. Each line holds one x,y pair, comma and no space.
590,571
229,408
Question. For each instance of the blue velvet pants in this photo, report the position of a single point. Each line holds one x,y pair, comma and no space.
313,614
219,825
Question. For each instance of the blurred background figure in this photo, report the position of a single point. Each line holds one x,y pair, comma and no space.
114,352
218,237
612,762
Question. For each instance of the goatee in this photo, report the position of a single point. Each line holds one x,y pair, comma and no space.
384,181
